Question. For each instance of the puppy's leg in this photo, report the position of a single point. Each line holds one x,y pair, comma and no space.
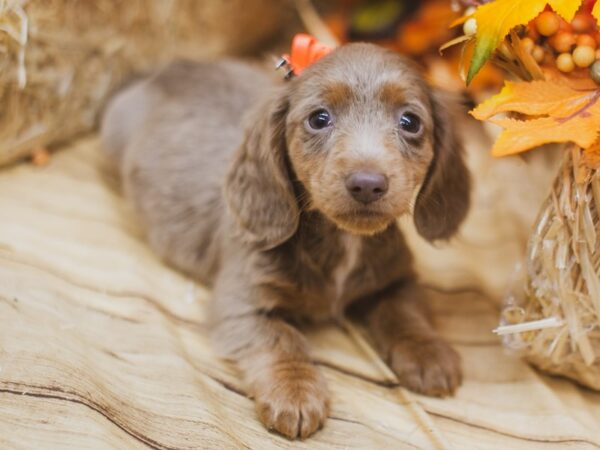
401,328
290,393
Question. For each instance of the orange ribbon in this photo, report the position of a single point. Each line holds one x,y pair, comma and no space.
305,51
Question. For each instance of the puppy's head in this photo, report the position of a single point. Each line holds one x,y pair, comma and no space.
353,137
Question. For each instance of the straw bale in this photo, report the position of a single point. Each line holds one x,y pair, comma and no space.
60,58
555,312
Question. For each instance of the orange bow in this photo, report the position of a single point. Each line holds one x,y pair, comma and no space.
305,51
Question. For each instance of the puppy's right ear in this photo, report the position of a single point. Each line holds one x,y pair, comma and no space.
258,188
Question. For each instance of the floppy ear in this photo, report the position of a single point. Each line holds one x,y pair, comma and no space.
443,201
258,188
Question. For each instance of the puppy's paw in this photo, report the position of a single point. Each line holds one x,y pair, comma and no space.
295,402
427,366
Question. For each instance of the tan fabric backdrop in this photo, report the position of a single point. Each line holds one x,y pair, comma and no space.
102,346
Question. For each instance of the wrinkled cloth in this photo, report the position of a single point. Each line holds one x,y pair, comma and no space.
103,346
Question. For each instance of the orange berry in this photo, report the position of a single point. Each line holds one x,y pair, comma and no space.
547,23
583,56
527,44
598,54
565,63
538,54
583,22
587,40
595,72
562,41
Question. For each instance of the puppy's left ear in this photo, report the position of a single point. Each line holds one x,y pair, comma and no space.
443,201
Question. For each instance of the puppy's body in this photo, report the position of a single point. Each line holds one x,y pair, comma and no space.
237,188
175,153
174,137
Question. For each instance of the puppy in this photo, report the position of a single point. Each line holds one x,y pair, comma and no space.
284,200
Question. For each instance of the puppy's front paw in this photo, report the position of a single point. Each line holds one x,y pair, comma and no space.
428,366
294,402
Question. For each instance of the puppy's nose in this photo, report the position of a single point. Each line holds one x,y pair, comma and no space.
366,187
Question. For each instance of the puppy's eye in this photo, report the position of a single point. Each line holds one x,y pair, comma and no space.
319,119
410,123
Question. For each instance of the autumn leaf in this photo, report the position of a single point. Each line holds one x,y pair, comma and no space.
577,81
549,111
521,135
565,8
497,18
533,98
596,12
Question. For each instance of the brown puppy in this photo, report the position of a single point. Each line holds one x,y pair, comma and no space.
295,217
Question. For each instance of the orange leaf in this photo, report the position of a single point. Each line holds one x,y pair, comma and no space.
521,135
552,111
533,98
576,80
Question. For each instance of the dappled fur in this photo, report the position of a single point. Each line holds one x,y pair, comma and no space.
234,188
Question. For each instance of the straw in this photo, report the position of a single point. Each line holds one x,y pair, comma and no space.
555,318
60,59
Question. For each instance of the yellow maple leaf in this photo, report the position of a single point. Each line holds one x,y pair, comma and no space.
497,18
566,8
596,12
550,111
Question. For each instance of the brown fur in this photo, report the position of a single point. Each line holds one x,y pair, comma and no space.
263,215
338,95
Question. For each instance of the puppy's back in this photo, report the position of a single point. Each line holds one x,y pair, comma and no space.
124,114
220,91
173,136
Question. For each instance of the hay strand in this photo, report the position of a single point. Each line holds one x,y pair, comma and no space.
405,397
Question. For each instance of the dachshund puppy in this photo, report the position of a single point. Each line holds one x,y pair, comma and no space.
284,200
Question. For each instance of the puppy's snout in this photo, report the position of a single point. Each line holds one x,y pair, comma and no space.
366,187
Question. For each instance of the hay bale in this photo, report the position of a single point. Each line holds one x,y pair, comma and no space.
555,318
60,58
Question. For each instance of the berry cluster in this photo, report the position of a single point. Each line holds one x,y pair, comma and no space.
551,40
